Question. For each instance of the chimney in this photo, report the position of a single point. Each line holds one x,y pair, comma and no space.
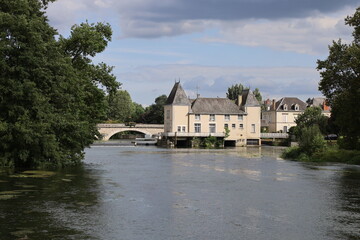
273,104
239,100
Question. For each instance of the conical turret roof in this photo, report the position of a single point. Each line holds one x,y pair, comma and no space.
177,96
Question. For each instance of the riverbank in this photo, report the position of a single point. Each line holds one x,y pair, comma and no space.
330,154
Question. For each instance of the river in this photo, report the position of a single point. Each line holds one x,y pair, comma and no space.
136,193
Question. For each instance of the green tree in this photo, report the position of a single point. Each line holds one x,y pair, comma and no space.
311,140
234,91
311,116
50,98
138,112
121,107
257,95
340,74
155,112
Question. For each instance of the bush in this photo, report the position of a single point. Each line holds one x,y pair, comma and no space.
311,140
291,153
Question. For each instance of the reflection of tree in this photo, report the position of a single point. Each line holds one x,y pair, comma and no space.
348,208
59,207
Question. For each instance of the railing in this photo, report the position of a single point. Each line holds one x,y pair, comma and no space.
274,135
122,125
193,134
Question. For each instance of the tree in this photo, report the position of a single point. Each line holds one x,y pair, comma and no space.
50,98
138,112
311,140
311,116
121,107
235,90
257,95
340,74
155,112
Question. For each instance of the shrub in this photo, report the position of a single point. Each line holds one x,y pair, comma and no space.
311,140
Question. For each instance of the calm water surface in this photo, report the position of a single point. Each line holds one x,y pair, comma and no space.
152,193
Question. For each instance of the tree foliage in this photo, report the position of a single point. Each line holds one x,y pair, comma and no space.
50,98
340,74
311,116
257,95
235,90
155,112
121,107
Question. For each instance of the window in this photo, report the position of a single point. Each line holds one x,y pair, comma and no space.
212,117
285,129
226,125
285,117
240,117
167,114
285,107
181,129
253,129
241,126
197,127
197,116
233,126
212,128
227,117
296,107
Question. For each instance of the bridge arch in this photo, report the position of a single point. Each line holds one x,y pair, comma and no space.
108,130
110,134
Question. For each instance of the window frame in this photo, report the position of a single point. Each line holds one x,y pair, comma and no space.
212,128
197,127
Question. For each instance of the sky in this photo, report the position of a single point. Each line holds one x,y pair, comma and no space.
209,45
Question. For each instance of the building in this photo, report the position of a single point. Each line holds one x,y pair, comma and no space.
321,103
280,116
186,119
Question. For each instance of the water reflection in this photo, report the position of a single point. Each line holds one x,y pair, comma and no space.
152,193
47,205
348,208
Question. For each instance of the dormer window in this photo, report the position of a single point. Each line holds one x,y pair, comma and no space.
296,107
285,107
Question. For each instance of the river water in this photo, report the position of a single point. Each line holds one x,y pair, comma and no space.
124,192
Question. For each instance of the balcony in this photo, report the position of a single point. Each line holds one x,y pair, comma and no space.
193,134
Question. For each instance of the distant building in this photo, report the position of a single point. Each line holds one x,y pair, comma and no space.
280,116
320,102
186,119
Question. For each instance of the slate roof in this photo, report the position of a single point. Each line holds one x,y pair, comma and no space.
177,96
290,102
318,102
249,99
215,106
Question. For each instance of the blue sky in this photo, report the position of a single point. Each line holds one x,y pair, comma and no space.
213,44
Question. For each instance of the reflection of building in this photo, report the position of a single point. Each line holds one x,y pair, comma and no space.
280,116
320,102
186,119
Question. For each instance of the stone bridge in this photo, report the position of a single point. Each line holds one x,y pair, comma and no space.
108,130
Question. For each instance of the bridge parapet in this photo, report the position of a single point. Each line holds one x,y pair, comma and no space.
274,135
122,125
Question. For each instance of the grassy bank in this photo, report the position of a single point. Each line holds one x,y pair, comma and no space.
329,154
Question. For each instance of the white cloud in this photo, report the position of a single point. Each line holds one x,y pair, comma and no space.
146,83
309,35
